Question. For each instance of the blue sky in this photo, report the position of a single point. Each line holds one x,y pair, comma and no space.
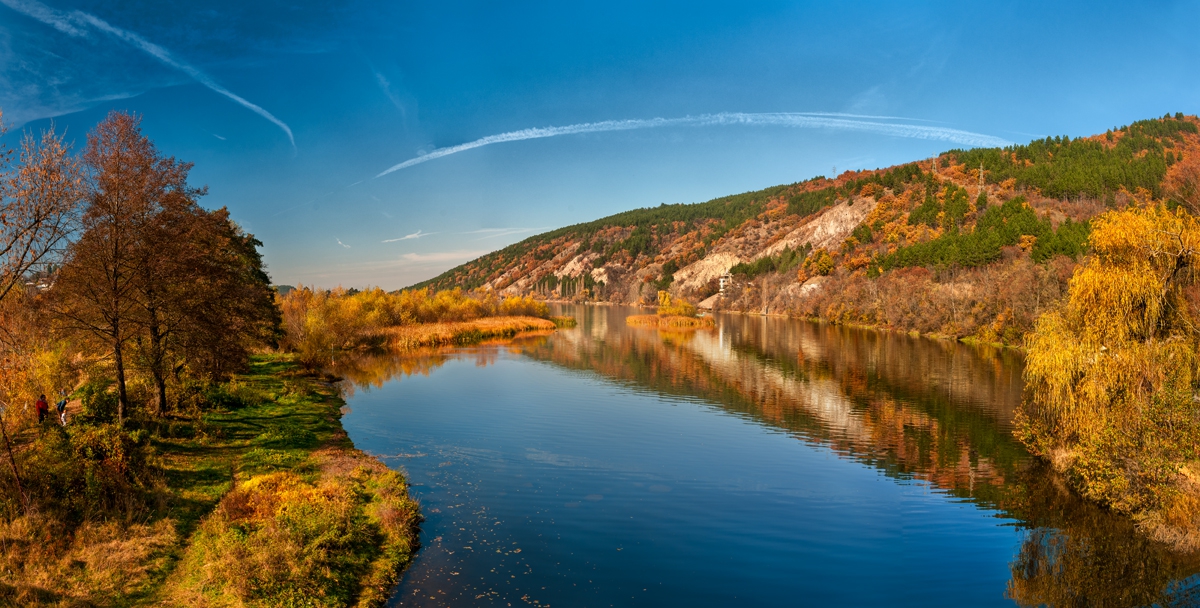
744,92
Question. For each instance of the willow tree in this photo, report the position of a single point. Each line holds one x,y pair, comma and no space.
1113,373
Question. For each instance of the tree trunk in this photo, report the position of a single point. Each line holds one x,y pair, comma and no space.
156,362
13,462
118,356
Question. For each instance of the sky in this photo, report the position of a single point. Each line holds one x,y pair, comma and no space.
381,143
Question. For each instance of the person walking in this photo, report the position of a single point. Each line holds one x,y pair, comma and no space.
42,408
61,406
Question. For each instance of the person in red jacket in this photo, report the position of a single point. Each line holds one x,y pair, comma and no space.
42,408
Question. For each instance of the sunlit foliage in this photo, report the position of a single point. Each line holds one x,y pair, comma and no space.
318,322
674,307
1113,372
819,263
155,281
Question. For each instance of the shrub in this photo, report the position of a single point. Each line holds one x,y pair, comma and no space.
82,471
98,405
674,307
819,263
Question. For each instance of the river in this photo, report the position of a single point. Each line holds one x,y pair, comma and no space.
765,462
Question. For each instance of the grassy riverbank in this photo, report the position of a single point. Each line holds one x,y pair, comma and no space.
261,500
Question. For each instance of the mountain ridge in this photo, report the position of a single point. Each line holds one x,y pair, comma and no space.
978,241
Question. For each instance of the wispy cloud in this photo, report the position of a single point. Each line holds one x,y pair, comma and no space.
59,20
416,235
385,85
811,120
76,23
339,241
218,137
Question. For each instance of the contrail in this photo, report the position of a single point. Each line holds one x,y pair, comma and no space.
47,15
76,22
840,122
416,235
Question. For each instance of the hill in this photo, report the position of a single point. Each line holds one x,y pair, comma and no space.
971,243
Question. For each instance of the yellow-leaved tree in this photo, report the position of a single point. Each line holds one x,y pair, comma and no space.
674,307
1112,373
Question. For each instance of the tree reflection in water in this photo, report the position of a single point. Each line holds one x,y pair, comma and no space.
914,408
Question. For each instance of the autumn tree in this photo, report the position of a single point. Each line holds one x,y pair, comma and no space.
167,286
1182,183
39,200
224,301
168,262
203,295
1112,373
97,290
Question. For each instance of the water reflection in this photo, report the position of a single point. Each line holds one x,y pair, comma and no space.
915,409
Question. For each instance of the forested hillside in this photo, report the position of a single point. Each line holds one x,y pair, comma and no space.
971,243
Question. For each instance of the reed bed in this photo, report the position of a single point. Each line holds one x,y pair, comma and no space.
463,332
671,321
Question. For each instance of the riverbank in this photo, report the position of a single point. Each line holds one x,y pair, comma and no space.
260,499
968,340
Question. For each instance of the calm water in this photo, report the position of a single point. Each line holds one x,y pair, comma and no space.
767,462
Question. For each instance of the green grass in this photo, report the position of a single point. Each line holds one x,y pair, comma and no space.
229,444
291,428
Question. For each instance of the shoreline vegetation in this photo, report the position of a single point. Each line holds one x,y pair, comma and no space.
260,499
308,519
195,464
1112,373
319,323
673,313
463,332
671,321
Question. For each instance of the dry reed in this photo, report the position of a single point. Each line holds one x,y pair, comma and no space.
464,332
673,321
